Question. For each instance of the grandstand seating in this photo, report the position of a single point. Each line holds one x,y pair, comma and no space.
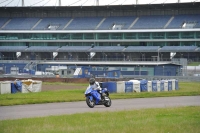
151,22
90,23
12,48
74,48
142,49
3,21
86,23
178,49
60,22
21,24
125,21
107,49
42,49
180,19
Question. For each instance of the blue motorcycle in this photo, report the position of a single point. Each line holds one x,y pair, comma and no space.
92,97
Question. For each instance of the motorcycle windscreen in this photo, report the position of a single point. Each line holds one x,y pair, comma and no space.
88,90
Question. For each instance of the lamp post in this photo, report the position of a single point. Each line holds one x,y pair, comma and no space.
161,57
139,69
5,69
163,70
105,56
181,73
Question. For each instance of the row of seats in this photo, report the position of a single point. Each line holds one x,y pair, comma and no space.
180,19
21,23
99,49
151,22
99,23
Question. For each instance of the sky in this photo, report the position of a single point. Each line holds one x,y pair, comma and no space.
8,3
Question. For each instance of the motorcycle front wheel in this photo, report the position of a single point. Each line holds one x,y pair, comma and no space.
90,103
108,102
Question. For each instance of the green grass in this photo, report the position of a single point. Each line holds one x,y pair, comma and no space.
42,97
194,64
63,95
63,83
164,120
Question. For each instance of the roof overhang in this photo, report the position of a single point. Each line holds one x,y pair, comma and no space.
100,63
133,7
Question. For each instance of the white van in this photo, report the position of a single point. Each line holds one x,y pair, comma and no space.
39,73
49,73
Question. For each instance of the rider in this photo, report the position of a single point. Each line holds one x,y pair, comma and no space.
96,87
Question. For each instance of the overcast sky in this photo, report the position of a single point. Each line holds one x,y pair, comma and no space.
8,3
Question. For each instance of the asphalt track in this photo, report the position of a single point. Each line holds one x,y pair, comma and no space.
41,110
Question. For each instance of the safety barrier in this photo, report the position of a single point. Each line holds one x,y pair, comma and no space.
5,87
141,86
20,86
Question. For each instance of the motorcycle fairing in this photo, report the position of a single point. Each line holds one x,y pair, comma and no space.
96,95
91,98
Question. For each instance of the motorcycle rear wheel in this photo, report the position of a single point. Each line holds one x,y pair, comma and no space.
90,103
108,103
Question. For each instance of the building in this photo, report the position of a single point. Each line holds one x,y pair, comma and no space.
139,39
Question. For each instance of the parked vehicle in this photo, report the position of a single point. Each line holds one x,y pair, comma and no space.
43,73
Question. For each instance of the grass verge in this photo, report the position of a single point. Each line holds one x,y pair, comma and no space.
63,95
194,64
164,120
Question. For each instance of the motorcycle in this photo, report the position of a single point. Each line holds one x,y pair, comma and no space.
92,101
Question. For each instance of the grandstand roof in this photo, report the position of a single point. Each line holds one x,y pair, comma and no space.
42,49
18,3
178,49
74,48
107,49
125,63
164,6
12,49
142,49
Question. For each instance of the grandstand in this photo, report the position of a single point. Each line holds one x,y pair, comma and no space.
137,39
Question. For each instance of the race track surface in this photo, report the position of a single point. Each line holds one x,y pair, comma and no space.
40,110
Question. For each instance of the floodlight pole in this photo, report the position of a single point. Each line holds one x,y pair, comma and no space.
59,3
136,2
97,2
22,3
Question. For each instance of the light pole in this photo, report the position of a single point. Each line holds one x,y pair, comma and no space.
181,73
158,58
139,69
3,68
163,70
104,56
